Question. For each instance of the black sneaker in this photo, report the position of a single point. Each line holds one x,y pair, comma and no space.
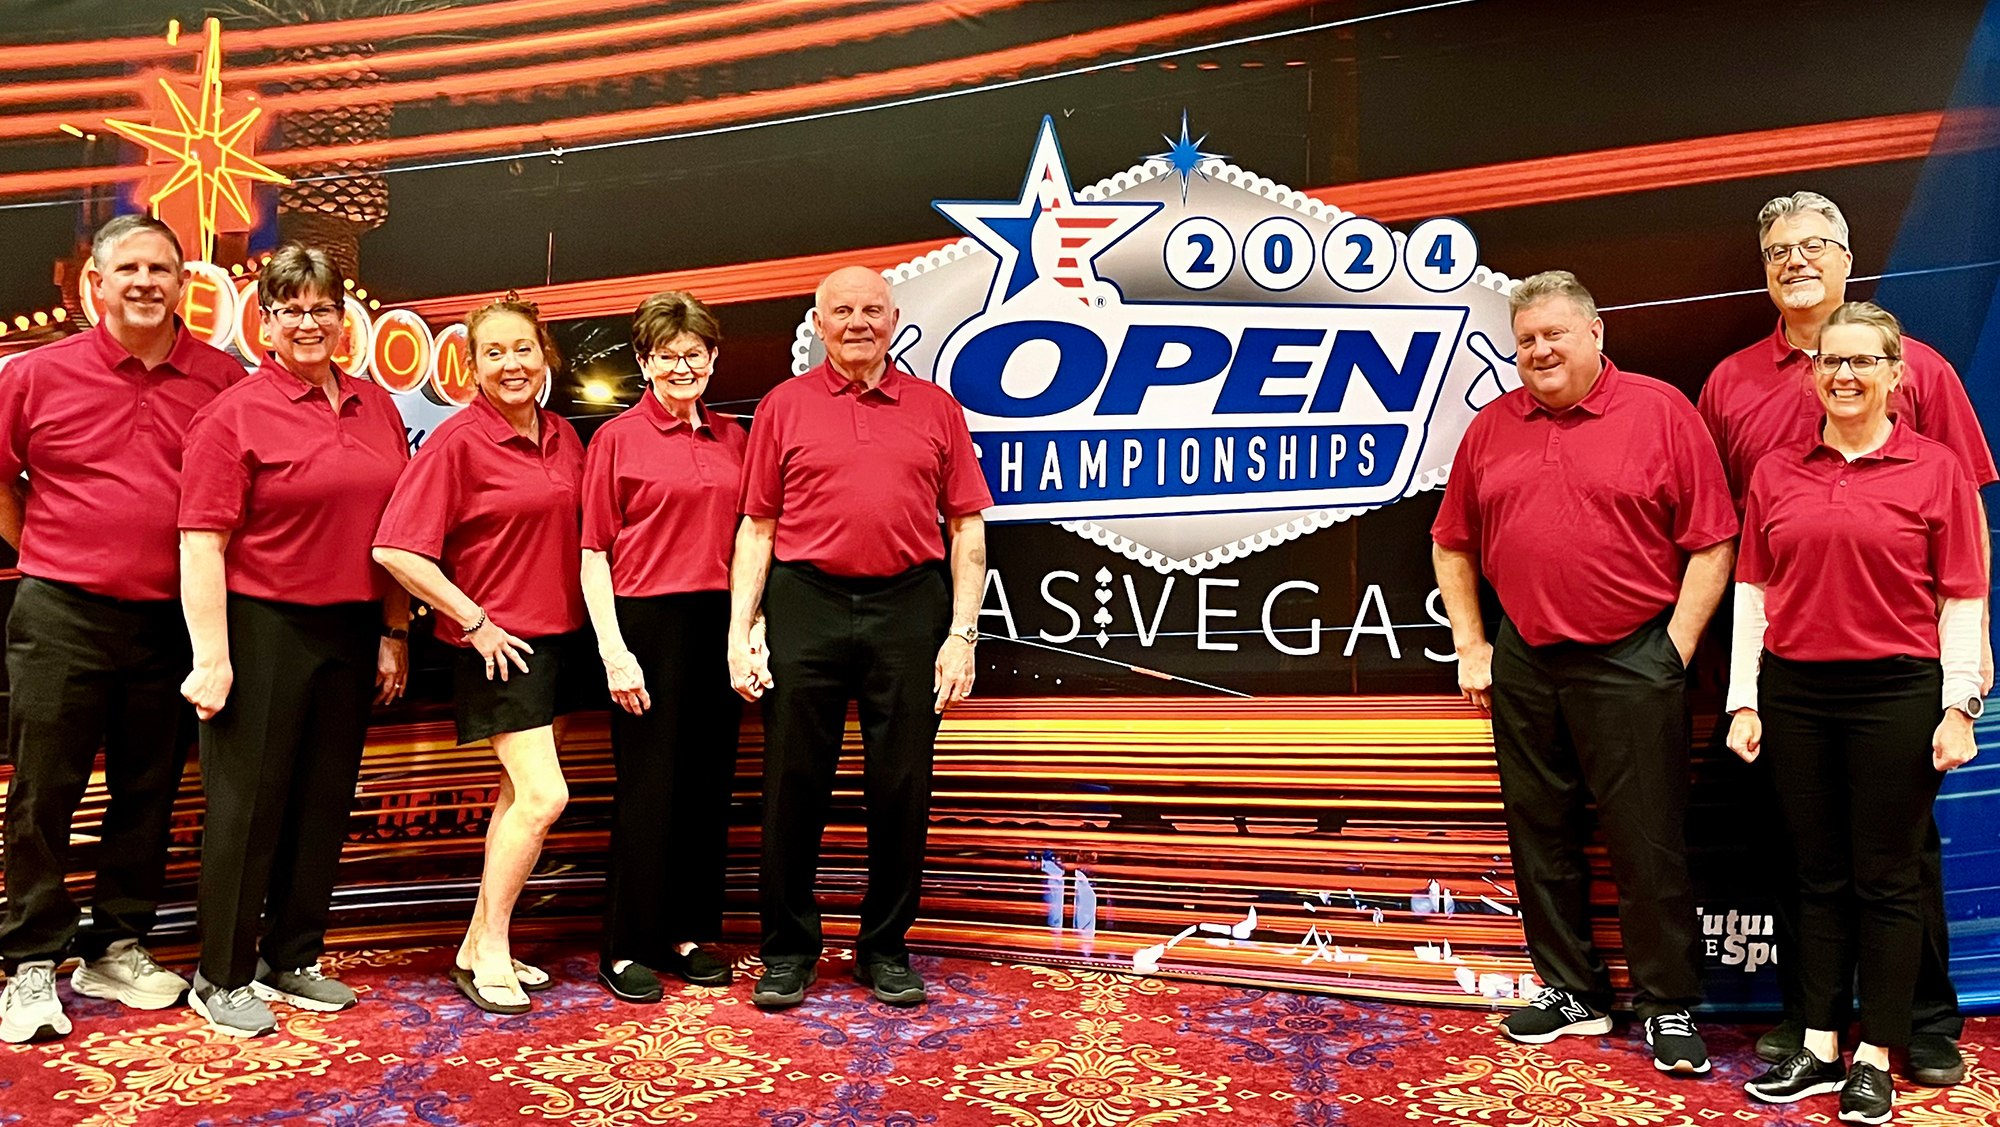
698,968
1778,1045
1554,1013
1868,1096
1676,1045
1796,1077
636,983
783,984
1935,1061
894,982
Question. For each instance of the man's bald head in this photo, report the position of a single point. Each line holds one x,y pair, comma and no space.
855,315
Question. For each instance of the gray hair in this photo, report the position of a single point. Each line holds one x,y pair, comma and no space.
1802,203
296,269
107,238
1875,317
1548,284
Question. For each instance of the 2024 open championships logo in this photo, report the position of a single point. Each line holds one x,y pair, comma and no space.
1187,362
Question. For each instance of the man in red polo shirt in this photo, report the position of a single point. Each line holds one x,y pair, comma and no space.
1592,500
95,643
1760,399
850,471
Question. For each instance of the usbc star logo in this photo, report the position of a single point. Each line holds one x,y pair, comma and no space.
1185,157
1047,235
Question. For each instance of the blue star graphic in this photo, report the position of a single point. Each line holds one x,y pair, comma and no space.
1185,156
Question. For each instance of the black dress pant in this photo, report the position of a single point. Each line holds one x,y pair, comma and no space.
1573,723
88,671
278,766
1850,750
676,767
835,640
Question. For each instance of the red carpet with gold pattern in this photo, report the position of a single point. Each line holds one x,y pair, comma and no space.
1008,1045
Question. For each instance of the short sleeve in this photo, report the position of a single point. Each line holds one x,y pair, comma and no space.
13,420
963,490
215,474
1958,559
1944,414
1457,527
1704,512
1753,551
763,495
420,510
602,516
1713,418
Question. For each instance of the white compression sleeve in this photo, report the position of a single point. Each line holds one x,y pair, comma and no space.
1959,624
1746,647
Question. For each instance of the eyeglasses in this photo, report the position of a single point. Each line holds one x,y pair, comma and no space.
1861,364
694,362
1777,253
290,317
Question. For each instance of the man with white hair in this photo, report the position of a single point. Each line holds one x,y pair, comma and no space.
1761,399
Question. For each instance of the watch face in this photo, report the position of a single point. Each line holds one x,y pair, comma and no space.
1975,707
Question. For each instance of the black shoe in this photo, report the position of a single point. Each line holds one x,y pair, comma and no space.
1554,1013
698,968
1676,1045
784,984
1796,1077
1778,1045
894,982
636,983
1935,1061
1868,1096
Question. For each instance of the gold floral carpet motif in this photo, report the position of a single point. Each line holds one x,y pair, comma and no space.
998,1044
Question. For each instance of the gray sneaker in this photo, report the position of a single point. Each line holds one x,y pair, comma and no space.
237,1012
29,1009
306,988
128,974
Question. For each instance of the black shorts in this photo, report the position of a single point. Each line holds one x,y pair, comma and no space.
564,675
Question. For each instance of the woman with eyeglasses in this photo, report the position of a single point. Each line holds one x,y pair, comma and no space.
484,528
659,522
1855,669
294,630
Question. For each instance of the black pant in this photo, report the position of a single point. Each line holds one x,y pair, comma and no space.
676,767
1572,723
1850,750
278,766
87,671
835,640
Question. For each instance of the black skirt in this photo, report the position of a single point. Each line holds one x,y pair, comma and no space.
564,675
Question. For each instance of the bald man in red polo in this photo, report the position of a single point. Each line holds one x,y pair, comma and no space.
859,482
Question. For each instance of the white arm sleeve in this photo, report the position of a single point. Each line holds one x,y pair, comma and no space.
1960,623
1746,647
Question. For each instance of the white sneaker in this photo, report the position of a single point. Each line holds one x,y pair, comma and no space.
128,974
29,1008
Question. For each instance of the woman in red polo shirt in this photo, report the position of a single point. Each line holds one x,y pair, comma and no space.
659,521
294,629
1856,669
483,527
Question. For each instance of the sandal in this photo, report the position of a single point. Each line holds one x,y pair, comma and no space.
532,978
474,992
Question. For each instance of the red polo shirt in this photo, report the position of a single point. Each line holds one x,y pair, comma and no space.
499,515
1583,518
100,438
660,497
1761,399
856,478
1855,555
298,484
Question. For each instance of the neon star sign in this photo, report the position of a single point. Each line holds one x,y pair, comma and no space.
211,142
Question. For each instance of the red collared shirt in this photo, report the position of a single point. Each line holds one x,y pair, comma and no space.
1762,399
499,515
856,478
298,484
100,438
659,496
1583,518
1855,555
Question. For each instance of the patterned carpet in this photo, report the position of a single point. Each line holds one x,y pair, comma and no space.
1012,1046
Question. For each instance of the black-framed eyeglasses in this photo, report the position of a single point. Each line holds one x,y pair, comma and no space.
1813,249
291,318
1860,364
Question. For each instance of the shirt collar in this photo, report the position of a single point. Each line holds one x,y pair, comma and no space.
891,385
1900,447
298,390
501,431
666,420
1782,348
180,357
1594,402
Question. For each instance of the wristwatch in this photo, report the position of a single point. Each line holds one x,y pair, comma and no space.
969,633
396,633
1974,707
